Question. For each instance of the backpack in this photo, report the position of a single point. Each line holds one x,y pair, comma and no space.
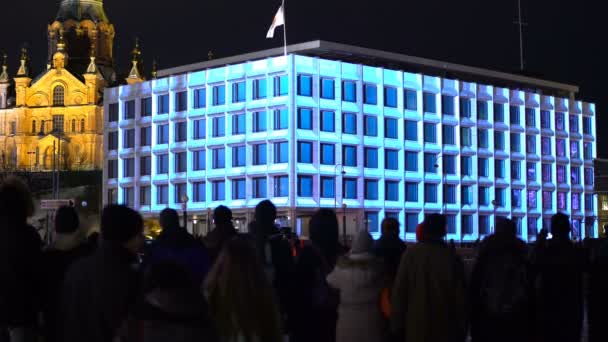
504,287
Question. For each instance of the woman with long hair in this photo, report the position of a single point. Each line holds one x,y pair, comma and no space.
241,299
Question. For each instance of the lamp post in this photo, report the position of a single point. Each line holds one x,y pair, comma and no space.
443,204
344,223
185,200
336,184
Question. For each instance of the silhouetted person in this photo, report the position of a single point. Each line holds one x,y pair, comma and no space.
390,247
315,301
501,288
598,292
100,290
20,257
559,266
428,299
69,246
241,299
223,232
173,307
93,240
359,278
175,244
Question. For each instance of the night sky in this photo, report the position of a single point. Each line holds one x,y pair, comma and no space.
563,39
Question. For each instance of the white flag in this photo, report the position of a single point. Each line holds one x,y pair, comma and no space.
279,19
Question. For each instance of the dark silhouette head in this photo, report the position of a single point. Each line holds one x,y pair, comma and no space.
324,233
390,226
435,227
16,203
505,227
560,226
122,225
66,220
606,230
169,219
265,213
222,216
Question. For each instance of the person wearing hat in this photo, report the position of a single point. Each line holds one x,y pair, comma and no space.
223,232
69,246
359,276
100,290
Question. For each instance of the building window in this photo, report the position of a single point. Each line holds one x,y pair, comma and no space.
34,127
532,226
547,200
305,118
516,170
449,165
281,85
259,154
82,126
499,112
239,158
259,88
450,193
370,94
162,134
501,198
411,130
560,122
200,98
162,194
466,166
128,138
499,141
58,125
390,97
514,115
515,142
465,107
482,138
587,125
530,144
484,225
516,198
219,126
370,126
112,113
59,96
219,158
350,188
281,186
180,191
484,196
451,224
561,173
238,189
430,133
482,110
484,167
574,150
305,186
146,107
499,168
467,224
430,193
129,110
466,139
391,130
411,161
573,124
349,123
588,176
349,155
281,152
112,196
145,136
588,151
562,204
411,99
238,124
304,85
429,104
545,119
305,152
199,192
531,172
447,104
328,88
328,185
200,129
391,159
575,175
545,146
411,222
532,202
372,221
218,190
371,189
371,158
145,196
467,195
530,117
449,136
181,101
547,173
73,125
391,191
199,159
560,146
113,141
259,122
259,187
181,131
145,166
328,154
589,203
349,91
281,119
328,122
576,201
411,192
239,92
181,162
429,163
128,167
162,103
219,95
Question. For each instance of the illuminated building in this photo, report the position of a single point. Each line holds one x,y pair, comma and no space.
59,112
371,133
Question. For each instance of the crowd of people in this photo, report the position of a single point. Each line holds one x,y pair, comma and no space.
260,286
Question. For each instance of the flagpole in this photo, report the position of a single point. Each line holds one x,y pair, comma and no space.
284,29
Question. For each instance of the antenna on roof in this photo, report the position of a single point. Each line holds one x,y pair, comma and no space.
521,25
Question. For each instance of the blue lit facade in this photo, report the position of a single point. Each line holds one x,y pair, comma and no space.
308,132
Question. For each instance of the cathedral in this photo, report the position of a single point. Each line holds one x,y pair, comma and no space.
54,119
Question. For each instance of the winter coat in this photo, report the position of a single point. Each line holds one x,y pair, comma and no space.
359,279
559,267
20,258
178,315
99,294
428,298
178,246
598,294
390,248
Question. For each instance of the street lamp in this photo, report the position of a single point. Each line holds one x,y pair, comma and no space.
336,184
443,185
344,223
185,200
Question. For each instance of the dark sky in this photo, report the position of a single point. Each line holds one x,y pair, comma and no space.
563,39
